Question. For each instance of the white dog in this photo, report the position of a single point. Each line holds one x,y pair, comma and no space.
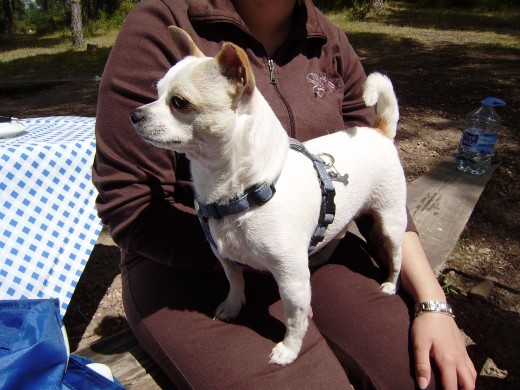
210,109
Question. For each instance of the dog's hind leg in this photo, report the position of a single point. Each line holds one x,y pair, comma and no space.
392,225
295,291
231,306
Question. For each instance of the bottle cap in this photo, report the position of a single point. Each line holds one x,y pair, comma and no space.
493,102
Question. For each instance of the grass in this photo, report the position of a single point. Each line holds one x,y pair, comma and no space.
52,56
23,46
447,285
26,57
451,26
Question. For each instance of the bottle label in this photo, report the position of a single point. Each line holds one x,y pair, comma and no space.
472,141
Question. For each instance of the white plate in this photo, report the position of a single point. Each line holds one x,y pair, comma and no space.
11,129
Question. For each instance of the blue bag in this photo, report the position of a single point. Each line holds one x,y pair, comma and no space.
34,350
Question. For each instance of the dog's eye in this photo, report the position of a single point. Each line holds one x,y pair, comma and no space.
179,103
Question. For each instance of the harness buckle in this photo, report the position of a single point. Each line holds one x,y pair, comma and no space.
210,210
261,194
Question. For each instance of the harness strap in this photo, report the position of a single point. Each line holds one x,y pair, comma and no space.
254,196
328,207
261,194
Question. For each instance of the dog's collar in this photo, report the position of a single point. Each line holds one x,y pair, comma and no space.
261,194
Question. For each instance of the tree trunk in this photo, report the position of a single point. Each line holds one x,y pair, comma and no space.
76,24
86,10
8,17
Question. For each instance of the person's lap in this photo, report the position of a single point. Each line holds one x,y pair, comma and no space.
367,330
354,326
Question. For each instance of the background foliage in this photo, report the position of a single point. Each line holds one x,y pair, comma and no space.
46,16
352,5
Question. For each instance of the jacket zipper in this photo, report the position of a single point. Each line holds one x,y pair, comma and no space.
272,80
270,64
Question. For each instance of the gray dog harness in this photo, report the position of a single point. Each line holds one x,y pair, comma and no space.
261,194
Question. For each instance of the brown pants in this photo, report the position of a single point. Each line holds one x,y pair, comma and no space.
358,335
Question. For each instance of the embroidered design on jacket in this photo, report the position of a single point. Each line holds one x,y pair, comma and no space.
320,84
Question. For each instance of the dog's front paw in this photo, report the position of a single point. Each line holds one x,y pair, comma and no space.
388,288
282,355
228,310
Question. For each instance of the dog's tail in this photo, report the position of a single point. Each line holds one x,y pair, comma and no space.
378,91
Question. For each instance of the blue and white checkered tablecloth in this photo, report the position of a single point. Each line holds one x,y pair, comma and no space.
48,220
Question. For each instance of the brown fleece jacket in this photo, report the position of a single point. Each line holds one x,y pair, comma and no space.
313,83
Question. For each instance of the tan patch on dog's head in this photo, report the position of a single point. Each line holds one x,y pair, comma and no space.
184,41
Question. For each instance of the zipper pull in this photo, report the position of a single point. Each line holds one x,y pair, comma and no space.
270,64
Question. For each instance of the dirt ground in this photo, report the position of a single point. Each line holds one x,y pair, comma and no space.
436,86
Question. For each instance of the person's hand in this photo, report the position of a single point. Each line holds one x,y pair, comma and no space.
436,335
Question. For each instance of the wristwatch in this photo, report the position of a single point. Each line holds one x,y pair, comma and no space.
433,307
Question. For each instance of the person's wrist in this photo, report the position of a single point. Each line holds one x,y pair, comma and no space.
433,307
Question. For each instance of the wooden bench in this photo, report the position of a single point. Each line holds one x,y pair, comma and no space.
440,201
129,363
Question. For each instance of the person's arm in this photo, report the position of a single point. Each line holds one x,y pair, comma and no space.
142,195
434,335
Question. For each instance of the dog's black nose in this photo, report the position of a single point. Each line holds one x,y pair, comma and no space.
137,116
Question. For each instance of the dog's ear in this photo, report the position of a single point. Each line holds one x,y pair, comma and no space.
234,65
184,42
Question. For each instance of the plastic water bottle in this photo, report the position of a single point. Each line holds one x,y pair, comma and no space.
477,143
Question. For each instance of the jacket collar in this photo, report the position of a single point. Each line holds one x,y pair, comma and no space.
223,11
